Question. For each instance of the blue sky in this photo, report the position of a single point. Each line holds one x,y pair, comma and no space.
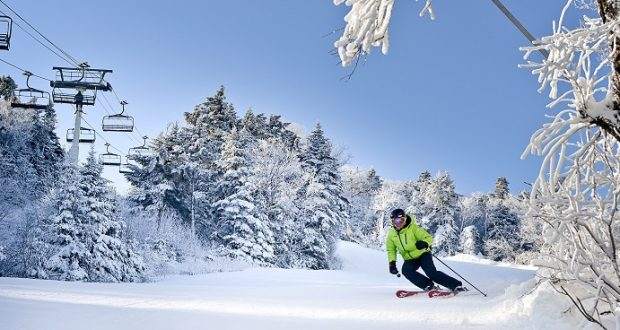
449,95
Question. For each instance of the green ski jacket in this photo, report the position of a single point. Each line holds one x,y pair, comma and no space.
404,240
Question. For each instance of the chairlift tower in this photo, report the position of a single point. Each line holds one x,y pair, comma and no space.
78,86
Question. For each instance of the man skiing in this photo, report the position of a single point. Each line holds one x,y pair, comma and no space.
414,245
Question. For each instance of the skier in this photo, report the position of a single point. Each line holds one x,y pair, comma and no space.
414,245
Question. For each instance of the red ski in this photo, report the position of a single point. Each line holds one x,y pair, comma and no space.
430,294
407,293
440,294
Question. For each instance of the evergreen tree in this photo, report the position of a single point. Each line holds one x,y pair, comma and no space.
474,212
279,130
255,125
64,233
112,260
443,202
502,232
46,154
360,188
207,127
469,242
19,178
501,188
417,205
277,178
7,87
324,207
241,227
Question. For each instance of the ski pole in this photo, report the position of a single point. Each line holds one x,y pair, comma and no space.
459,275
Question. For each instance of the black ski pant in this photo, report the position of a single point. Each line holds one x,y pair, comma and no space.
425,261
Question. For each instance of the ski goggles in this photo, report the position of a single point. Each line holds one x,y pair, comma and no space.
399,221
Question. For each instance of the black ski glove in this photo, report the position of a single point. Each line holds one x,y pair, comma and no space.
393,268
421,245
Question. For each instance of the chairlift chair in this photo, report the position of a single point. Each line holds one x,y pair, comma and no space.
71,96
125,168
6,27
30,98
87,135
118,122
142,150
81,78
109,158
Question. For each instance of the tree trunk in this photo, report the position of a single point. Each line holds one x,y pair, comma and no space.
609,12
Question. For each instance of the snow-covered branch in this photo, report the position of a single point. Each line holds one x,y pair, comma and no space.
579,70
367,26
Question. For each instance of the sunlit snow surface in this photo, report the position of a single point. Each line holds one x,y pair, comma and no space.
361,296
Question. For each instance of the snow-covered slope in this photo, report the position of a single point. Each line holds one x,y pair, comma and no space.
360,296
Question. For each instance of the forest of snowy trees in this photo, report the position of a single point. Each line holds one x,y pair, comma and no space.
221,189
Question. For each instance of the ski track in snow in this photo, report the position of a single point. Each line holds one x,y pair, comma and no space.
361,296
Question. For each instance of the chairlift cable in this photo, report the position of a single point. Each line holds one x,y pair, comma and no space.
39,41
44,37
23,70
109,106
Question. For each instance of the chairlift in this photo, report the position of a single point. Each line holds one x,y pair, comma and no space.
87,135
81,78
71,96
125,168
109,158
30,98
118,122
6,27
142,150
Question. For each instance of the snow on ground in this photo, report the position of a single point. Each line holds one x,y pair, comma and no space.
360,296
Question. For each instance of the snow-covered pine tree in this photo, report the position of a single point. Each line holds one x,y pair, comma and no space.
153,190
324,207
7,86
207,126
277,178
280,131
255,125
417,206
474,212
45,153
18,173
502,231
469,242
112,260
63,232
158,179
443,203
360,188
501,188
241,227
